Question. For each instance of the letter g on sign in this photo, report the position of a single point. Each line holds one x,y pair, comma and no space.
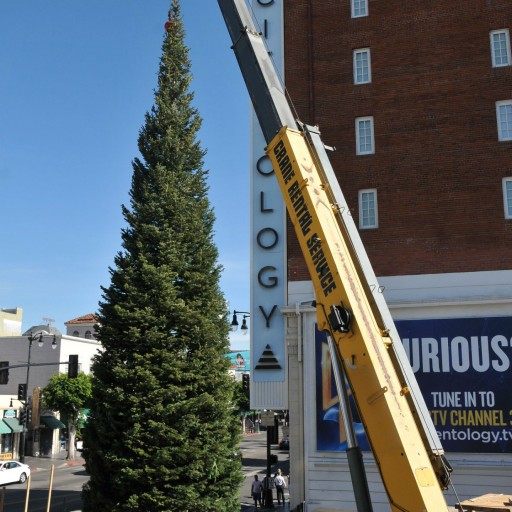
269,282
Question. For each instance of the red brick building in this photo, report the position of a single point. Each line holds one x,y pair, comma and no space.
416,97
430,90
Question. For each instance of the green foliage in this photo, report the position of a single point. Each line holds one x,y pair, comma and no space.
67,396
241,398
162,428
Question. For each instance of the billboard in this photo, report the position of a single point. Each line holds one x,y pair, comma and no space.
240,360
463,368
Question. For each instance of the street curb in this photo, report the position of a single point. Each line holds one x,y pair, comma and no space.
57,463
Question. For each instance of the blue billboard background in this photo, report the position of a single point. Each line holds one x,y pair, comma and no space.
240,360
463,368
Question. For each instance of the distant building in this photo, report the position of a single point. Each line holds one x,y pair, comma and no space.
10,321
48,355
42,328
82,327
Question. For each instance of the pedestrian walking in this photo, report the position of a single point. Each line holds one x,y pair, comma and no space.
256,491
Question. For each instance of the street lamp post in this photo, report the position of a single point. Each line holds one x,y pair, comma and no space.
268,479
235,324
24,399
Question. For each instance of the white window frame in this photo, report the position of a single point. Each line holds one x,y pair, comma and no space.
504,116
368,69
504,32
358,8
507,197
368,120
366,220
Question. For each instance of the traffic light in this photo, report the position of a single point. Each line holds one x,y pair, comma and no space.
22,392
73,366
23,416
4,372
246,382
29,415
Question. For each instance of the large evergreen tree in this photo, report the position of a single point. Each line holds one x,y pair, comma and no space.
162,430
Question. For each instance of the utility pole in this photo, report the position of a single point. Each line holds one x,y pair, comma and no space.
23,399
23,388
268,486
267,419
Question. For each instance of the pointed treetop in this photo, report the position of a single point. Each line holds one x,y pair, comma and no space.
172,14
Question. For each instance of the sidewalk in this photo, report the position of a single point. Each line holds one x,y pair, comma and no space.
276,507
254,462
57,460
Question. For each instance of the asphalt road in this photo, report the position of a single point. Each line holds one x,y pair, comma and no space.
68,478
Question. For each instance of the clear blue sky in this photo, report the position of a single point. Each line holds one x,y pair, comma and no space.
76,79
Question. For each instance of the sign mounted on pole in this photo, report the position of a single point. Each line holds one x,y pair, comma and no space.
267,418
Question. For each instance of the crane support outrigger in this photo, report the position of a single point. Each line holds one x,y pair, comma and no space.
349,304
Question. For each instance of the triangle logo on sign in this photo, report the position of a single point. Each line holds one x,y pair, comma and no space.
268,360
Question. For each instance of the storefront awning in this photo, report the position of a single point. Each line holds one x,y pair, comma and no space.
4,429
51,422
14,424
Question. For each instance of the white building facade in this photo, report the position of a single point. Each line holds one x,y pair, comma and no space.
477,438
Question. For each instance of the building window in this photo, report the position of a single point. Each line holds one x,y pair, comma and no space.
76,333
368,213
504,119
507,197
88,335
4,375
364,136
359,8
362,66
500,48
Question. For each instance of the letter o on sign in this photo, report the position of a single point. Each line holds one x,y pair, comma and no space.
263,164
267,238
265,3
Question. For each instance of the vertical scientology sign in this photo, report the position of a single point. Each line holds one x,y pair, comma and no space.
268,239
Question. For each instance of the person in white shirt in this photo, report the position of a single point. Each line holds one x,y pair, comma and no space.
280,484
